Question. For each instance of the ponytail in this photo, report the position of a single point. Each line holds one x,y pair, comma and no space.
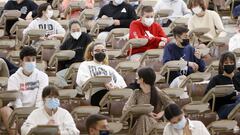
154,97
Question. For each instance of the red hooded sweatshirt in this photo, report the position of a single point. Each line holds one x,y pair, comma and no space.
138,30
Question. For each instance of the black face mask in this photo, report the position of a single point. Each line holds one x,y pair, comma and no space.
100,56
185,42
229,68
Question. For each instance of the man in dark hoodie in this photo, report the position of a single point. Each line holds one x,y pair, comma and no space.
26,7
122,13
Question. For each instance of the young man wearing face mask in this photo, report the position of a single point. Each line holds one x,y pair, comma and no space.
182,49
97,124
29,81
145,27
51,114
179,125
28,9
53,29
122,13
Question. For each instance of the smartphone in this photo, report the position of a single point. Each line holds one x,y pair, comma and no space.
104,132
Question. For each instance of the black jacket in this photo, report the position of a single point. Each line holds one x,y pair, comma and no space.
123,12
25,7
79,46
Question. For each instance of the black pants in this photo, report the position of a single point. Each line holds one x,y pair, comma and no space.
97,97
11,67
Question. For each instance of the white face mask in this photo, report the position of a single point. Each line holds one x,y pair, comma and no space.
49,13
76,35
181,124
197,10
118,2
148,21
29,66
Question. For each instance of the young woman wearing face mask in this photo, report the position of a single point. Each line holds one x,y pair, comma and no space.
203,18
95,64
44,21
179,125
51,114
147,94
76,40
227,65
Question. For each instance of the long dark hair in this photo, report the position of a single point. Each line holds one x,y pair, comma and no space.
224,57
148,75
41,8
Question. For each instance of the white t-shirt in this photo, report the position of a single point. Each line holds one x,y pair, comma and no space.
41,117
30,88
52,26
179,8
89,69
234,42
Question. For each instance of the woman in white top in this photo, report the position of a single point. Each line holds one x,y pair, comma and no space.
44,21
179,8
235,40
179,125
95,64
51,114
203,18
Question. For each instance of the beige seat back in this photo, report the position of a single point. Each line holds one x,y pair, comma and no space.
195,77
88,14
94,82
218,91
60,56
71,74
34,35
174,65
4,72
237,52
163,13
44,130
181,21
114,101
117,32
48,48
100,24
18,116
7,96
6,44
234,112
56,3
73,6
137,110
39,2
80,115
10,15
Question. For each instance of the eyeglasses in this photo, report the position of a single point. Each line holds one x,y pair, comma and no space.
100,50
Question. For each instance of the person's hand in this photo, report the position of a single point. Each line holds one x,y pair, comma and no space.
51,122
161,44
104,17
194,66
164,39
29,16
50,37
109,86
159,115
116,22
20,19
152,114
197,53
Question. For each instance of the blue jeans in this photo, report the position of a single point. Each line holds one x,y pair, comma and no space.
227,108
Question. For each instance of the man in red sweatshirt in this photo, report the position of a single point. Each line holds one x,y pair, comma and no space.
145,27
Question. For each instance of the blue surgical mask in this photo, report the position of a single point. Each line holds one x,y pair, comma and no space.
29,66
52,103
181,124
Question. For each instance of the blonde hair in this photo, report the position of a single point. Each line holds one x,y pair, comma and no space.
88,56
